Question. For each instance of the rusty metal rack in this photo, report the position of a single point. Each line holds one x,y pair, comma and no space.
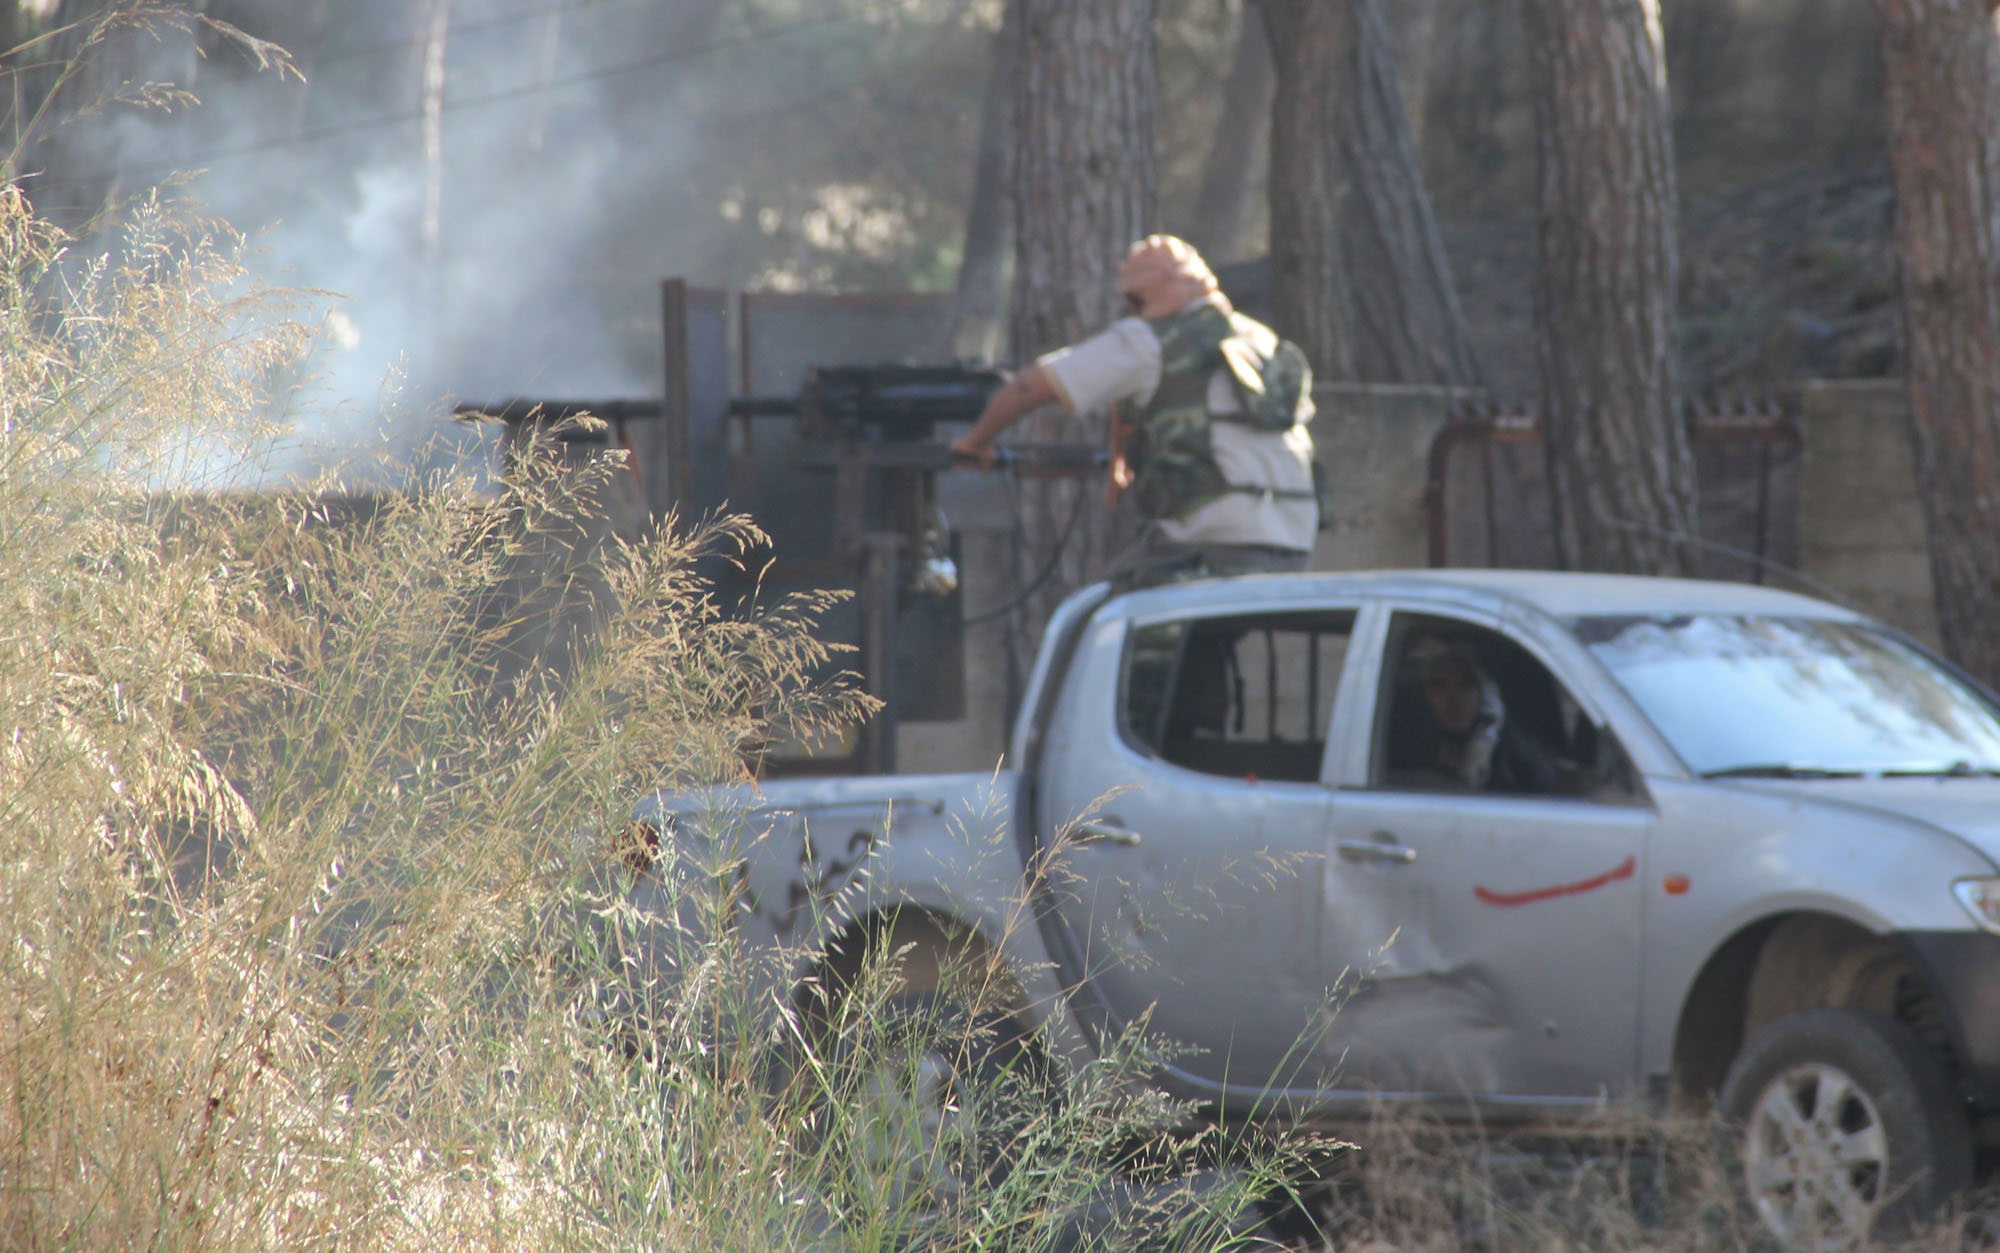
1764,425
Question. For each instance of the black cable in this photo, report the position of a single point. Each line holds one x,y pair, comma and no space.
461,104
1824,590
478,26
1048,570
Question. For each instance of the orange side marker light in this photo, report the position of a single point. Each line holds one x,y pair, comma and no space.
1676,884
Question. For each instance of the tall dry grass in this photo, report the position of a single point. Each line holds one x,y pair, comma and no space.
311,913
294,841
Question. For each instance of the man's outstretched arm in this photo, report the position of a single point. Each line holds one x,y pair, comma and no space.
1017,397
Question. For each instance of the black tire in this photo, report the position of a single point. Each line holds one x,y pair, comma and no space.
935,1101
1842,1126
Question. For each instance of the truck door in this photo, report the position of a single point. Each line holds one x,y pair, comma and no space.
1500,836
1186,780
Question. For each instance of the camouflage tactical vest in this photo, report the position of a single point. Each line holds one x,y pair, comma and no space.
1173,461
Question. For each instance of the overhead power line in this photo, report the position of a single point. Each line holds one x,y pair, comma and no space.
386,47
457,105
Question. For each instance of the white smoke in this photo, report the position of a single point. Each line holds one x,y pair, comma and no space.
329,180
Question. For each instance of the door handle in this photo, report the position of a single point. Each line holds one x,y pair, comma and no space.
1380,847
1105,831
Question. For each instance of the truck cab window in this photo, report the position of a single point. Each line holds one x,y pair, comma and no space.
1246,697
1465,709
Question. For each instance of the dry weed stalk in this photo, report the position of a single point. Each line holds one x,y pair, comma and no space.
298,838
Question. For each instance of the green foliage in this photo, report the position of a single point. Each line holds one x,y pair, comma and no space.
1195,44
830,146
836,141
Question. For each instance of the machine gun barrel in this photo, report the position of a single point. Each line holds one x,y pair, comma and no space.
904,402
893,403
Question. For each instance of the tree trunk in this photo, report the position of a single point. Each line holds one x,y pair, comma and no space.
1311,302
1992,121
1413,30
1084,178
1940,86
1223,199
1359,274
16,100
989,222
1620,470
1413,329
430,223
432,228
546,52
1083,191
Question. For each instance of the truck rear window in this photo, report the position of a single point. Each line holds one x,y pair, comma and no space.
1242,697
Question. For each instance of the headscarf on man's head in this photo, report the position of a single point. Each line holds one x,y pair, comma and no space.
1167,275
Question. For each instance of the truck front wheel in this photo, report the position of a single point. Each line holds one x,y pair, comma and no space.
941,1101
1842,1125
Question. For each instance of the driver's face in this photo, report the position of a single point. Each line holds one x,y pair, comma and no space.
1451,689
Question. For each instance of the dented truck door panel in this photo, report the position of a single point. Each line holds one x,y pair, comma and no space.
1485,889
1193,747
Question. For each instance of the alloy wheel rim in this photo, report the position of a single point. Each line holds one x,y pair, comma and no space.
907,1122
1816,1157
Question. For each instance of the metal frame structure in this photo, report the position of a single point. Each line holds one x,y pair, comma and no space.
881,516
1768,424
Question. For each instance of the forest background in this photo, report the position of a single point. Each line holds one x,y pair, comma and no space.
1603,207
492,185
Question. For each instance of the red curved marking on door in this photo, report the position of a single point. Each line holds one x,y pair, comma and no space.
1507,900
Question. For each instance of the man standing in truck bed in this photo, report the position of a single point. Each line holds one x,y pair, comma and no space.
1215,451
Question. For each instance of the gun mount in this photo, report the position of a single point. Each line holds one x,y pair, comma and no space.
874,430
844,473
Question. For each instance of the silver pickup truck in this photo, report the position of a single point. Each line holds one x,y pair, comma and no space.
1511,845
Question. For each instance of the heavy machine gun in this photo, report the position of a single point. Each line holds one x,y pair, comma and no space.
876,429
845,475
886,417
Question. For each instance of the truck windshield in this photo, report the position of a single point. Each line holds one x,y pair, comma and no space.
1740,695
